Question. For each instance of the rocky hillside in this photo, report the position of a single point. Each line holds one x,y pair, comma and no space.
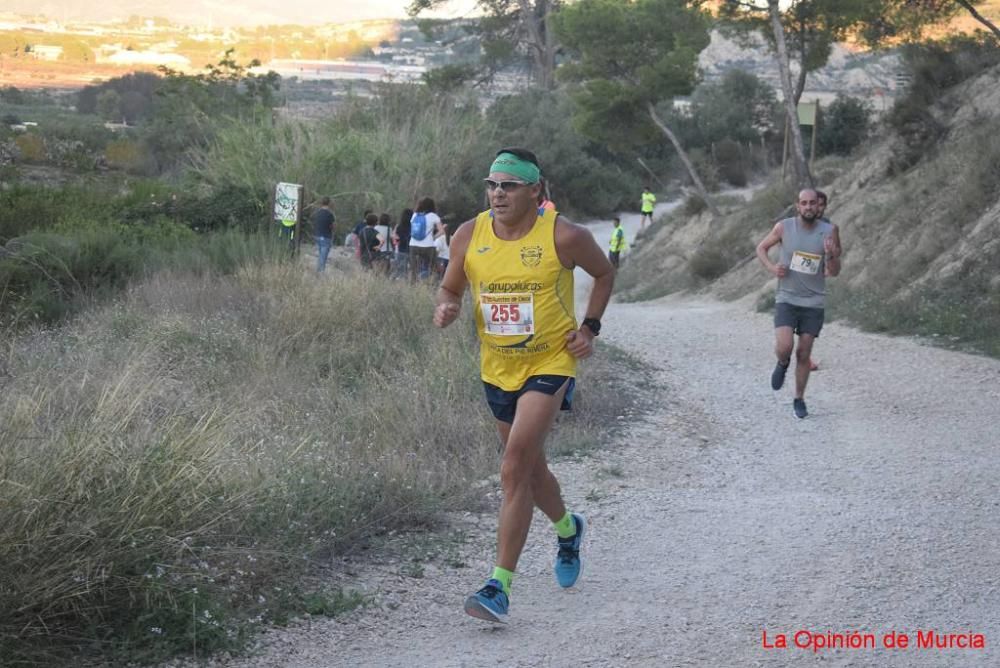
872,75
919,214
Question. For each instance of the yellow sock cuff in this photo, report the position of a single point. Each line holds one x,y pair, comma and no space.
565,527
504,576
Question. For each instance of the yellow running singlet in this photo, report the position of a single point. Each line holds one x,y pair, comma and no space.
523,298
648,202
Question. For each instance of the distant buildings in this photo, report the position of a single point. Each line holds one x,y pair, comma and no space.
45,52
125,58
342,70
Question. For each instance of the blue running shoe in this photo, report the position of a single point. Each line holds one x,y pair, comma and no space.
489,603
778,375
568,565
799,406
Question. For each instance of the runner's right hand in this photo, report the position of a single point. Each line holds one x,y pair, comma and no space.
580,343
781,270
445,314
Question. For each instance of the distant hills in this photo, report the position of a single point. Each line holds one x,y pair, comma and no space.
198,12
871,75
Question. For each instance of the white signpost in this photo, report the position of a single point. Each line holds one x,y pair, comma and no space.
286,201
287,212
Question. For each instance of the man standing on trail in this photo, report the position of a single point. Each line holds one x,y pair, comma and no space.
322,220
648,204
519,260
617,242
810,251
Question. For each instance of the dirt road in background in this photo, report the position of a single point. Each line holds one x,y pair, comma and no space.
721,516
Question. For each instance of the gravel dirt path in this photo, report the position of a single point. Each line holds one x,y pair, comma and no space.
720,515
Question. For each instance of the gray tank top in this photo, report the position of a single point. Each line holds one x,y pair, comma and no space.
802,253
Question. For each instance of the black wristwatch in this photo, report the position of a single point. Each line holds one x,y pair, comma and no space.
593,324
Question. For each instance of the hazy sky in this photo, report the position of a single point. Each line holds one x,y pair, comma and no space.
348,10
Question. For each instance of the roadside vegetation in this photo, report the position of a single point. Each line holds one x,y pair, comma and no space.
409,142
175,461
68,247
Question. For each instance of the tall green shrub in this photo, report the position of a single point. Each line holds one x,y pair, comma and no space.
844,125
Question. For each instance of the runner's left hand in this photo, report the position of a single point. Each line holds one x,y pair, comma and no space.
580,343
829,247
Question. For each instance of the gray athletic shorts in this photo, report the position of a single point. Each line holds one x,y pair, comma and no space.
802,319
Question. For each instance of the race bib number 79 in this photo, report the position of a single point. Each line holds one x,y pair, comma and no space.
508,313
805,263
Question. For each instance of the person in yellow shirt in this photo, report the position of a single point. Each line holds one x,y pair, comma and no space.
648,204
518,260
618,243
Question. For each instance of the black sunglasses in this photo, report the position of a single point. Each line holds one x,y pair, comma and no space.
506,186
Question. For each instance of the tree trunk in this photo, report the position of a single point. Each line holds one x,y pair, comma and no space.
536,22
699,186
800,85
979,17
550,48
802,176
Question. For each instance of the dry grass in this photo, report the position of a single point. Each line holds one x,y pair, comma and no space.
157,450
171,463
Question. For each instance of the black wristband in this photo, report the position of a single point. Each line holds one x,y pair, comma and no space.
593,324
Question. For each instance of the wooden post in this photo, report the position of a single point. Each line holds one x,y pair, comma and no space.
298,221
269,214
815,131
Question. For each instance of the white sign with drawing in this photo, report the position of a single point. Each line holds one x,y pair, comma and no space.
286,201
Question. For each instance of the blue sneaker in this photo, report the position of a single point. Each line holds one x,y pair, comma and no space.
568,565
489,603
799,406
778,375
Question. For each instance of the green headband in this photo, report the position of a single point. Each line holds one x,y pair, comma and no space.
509,163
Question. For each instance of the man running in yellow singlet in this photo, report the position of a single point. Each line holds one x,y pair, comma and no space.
518,260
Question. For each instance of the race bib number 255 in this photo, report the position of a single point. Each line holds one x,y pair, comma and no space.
508,313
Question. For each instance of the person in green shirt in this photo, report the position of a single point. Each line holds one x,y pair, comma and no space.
648,203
